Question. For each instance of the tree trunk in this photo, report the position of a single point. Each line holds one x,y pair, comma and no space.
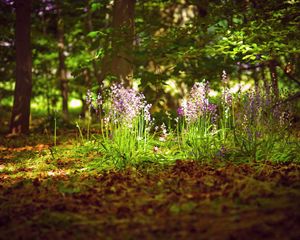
119,62
90,28
62,70
23,88
274,79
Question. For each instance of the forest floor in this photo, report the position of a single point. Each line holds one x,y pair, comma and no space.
52,195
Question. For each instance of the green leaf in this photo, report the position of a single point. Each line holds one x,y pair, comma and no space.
93,34
96,6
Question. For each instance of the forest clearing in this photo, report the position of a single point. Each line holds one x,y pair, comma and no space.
162,119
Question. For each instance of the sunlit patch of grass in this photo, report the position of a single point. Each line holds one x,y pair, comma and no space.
32,162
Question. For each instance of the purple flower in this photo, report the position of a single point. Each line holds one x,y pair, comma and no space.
127,104
197,104
89,99
146,109
228,98
212,108
224,78
99,100
180,111
252,107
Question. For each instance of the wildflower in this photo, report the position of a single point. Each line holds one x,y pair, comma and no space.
106,120
127,104
197,104
147,115
212,108
99,100
164,129
162,138
89,99
228,98
222,152
224,78
252,107
155,149
180,112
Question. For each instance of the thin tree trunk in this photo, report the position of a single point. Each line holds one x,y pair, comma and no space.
46,70
23,88
119,62
62,70
90,28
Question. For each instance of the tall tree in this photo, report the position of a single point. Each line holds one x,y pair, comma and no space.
23,88
118,63
62,70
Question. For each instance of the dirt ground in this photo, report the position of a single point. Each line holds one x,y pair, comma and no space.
185,200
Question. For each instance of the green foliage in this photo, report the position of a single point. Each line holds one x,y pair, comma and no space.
124,122
198,140
180,40
248,125
259,33
125,145
260,128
